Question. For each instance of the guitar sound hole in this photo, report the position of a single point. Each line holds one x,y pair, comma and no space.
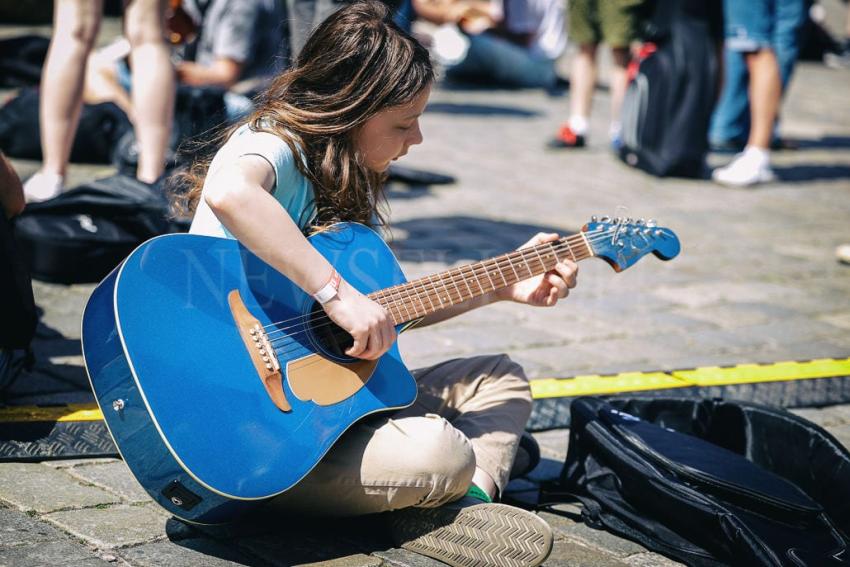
331,339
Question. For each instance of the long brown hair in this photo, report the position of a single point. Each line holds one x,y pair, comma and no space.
356,63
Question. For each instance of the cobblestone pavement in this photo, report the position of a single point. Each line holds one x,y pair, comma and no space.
756,282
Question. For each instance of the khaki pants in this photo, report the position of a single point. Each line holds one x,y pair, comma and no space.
469,412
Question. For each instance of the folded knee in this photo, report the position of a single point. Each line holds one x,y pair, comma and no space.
437,452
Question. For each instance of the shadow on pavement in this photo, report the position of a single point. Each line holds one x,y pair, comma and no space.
263,539
812,172
824,142
48,381
450,239
480,109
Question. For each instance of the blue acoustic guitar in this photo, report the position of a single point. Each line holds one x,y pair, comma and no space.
223,384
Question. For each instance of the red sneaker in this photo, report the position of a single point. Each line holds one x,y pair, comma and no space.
566,138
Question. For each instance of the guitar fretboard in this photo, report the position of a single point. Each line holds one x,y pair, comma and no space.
418,298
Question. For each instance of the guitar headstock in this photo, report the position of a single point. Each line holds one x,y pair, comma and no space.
623,241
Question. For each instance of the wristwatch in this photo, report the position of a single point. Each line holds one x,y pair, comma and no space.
329,290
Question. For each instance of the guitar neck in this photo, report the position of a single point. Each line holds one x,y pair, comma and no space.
421,297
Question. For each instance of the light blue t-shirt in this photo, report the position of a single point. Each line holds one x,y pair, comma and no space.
292,190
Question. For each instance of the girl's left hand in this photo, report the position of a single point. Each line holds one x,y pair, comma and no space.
545,289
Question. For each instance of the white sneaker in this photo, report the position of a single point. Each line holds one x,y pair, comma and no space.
43,186
750,167
449,45
843,253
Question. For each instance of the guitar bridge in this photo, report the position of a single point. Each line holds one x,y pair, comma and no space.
260,350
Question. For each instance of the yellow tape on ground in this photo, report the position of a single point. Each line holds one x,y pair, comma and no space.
586,385
595,384
70,412
698,377
777,372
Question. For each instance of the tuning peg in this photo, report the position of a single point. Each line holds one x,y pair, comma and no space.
628,220
640,222
594,218
604,218
651,222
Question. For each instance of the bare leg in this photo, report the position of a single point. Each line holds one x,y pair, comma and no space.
153,84
619,80
765,94
583,81
102,83
75,26
485,482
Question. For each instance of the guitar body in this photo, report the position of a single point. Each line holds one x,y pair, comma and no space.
182,393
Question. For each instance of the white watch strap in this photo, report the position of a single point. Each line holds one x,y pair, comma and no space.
329,290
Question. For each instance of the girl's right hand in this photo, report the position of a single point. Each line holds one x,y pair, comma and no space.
365,320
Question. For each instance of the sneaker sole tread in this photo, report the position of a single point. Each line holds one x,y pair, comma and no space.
486,535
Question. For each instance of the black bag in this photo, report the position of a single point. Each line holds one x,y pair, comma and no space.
100,128
21,60
19,316
671,95
197,111
711,482
81,235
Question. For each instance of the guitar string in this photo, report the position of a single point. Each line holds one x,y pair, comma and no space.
290,345
282,345
280,342
458,277
506,259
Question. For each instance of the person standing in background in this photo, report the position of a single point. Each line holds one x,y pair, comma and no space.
590,23
75,27
762,44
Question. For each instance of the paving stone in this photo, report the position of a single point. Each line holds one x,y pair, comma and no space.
597,538
651,560
195,552
841,320
61,552
113,526
17,528
298,545
115,477
23,486
358,560
71,463
567,553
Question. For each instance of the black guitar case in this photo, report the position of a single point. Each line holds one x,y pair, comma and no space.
711,482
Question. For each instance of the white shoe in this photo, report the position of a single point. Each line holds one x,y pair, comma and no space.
750,167
449,45
43,186
843,253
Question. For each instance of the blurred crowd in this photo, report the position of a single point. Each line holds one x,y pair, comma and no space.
747,52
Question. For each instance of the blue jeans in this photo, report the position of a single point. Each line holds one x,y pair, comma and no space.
750,26
492,59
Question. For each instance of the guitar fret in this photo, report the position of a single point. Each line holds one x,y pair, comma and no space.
435,291
511,264
501,273
475,275
570,250
540,259
448,293
527,267
471,293
402,294
419,297
459,292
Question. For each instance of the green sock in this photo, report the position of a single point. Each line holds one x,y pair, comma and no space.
479,494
